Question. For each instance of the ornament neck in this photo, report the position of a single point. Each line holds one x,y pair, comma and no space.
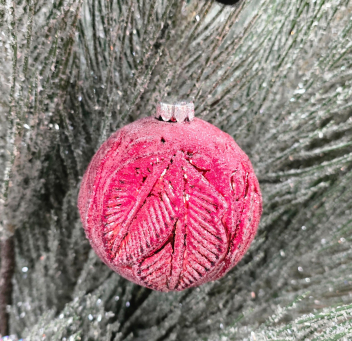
175,110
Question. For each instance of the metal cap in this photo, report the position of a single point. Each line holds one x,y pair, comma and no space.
175,110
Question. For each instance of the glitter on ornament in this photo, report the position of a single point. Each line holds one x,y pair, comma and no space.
170,202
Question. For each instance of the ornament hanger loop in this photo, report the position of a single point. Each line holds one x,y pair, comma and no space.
175,110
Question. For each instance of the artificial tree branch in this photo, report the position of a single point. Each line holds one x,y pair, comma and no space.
7,255
7,252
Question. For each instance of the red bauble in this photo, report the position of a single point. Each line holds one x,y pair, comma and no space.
170,205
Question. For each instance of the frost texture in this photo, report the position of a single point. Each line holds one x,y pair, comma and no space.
170,205
276,75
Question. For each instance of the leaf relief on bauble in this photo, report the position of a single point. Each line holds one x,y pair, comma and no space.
164,221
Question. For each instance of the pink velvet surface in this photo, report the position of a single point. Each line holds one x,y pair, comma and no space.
170,206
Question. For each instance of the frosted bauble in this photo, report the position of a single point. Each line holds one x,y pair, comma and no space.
170,205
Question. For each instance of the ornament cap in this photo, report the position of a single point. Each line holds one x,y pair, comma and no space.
173,109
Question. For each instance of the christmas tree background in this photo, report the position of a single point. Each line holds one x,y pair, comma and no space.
274,74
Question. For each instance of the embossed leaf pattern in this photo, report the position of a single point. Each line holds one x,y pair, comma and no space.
125,198
176,236
247,196
206,235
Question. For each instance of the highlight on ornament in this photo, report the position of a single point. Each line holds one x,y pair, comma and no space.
171,201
